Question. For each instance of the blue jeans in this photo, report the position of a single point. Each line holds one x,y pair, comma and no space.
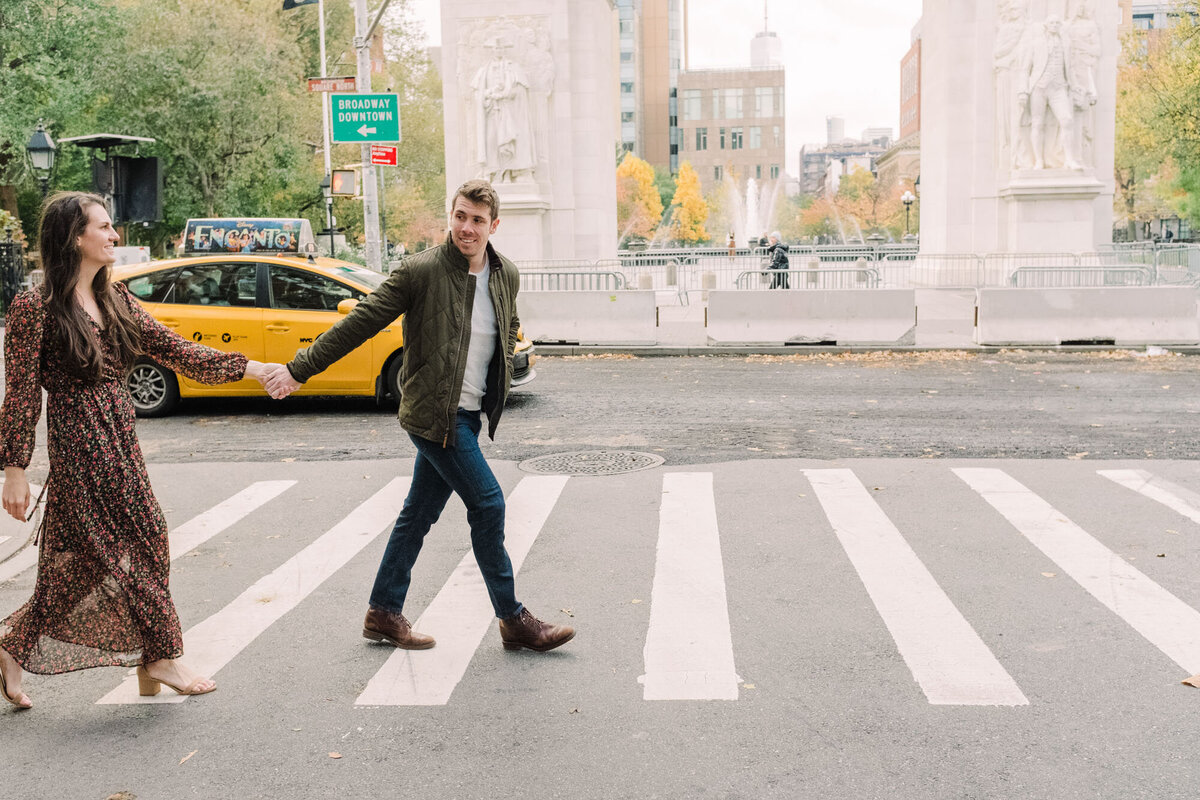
439,471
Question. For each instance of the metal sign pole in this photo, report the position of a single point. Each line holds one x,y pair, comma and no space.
325,111
362,46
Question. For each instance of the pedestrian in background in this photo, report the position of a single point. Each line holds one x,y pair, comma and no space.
778,252
101,596
460,328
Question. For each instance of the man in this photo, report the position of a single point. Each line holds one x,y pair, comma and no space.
779,260
1046,69
460,328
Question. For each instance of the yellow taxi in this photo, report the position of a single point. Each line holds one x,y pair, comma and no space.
267,300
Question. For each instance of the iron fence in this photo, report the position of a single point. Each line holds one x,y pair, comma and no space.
1046,277
572,281
862,277
12,269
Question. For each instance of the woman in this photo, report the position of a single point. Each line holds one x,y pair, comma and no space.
101,597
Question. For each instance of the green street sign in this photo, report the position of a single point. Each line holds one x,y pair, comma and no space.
365,117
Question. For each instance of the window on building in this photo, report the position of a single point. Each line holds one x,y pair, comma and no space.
733,103
779,111
701,138
722,139
691,104
755,137
777,137
717,173
758,172
626,26
626,56
627,87
716,104
1143,21
626,116
735,139
774,171
764,101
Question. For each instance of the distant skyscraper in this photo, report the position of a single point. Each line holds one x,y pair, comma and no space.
766,49
650,43
835,130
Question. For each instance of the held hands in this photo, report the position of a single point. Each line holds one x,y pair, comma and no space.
16,493
278,381
275,378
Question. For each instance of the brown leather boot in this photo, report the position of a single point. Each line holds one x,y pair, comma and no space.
384,626
526,630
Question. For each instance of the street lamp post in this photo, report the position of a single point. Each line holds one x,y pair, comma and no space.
907,198
41,150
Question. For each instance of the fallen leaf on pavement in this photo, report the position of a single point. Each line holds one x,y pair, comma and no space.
635,600
567,611
1049,574
1192,681
335,754
189,755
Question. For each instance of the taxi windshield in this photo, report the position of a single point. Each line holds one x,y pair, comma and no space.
362,275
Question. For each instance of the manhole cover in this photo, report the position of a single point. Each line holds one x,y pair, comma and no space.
591,462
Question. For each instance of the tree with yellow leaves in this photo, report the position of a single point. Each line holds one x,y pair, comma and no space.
691,212
639,207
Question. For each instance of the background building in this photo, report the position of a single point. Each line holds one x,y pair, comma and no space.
732,122
835,130
650,46
901,164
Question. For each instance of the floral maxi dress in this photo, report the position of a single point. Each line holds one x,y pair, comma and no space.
101,596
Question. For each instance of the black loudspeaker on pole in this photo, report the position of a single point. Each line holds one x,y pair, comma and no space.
135,185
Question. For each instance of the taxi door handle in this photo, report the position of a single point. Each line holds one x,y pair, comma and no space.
278,328
170,323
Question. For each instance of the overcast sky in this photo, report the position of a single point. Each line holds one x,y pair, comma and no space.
842,56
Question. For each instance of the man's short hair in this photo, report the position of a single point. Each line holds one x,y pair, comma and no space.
775,235
480,192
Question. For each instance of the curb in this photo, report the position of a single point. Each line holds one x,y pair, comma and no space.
651,351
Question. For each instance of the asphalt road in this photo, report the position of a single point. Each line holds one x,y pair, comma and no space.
697,410
841,608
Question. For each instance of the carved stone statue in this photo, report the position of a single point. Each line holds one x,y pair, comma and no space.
1086,49
1012,137
1046,71
504,134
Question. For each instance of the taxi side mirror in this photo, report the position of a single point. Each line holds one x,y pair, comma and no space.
347,305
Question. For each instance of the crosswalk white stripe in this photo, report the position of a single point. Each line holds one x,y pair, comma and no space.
461,613
949,661
199,529
689,647
1171,495
190,534
1166,621
22,560
214,642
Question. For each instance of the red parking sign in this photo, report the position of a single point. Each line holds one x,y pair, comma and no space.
383,155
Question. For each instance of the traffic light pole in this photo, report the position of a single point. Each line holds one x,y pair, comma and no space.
370,189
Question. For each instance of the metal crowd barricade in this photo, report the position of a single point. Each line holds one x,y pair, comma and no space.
999,267
1047,277
863,277
571,281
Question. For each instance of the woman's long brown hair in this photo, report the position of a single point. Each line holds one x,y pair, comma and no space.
64,220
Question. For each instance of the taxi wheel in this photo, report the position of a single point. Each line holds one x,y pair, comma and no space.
391,381
154,389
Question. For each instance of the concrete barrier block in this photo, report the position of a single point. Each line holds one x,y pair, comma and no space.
589,318
844,317
1126,315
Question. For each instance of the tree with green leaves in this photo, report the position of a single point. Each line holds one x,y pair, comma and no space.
1157,168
